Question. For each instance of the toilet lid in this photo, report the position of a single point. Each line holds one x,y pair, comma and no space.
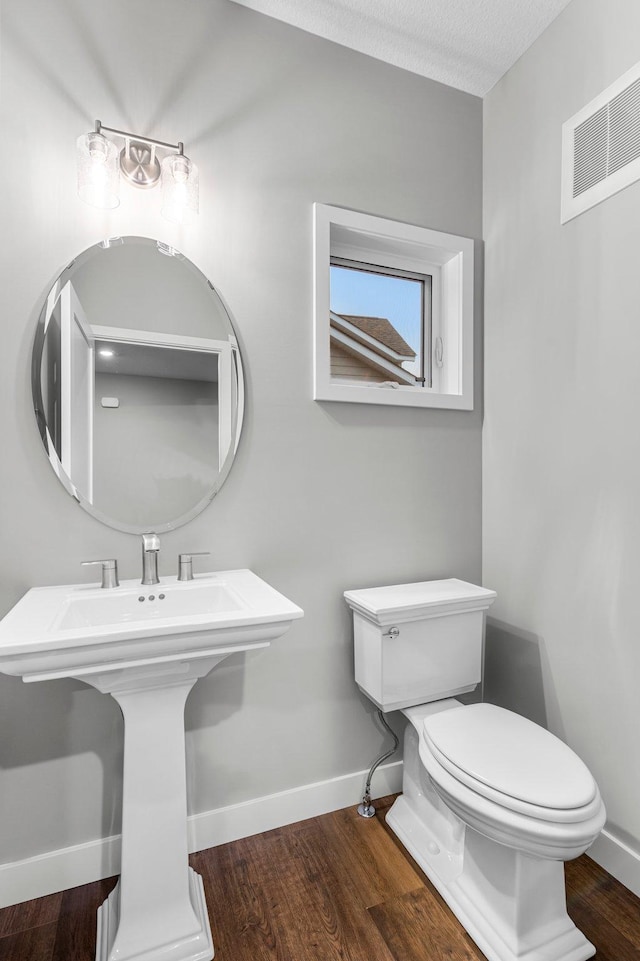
510,755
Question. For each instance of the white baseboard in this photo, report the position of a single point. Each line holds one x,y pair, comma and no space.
68,867
618,859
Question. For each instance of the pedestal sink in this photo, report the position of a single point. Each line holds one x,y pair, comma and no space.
147,646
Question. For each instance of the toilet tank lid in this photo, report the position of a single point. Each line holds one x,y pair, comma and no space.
407,602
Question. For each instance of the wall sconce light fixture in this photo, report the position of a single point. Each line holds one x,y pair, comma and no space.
101,164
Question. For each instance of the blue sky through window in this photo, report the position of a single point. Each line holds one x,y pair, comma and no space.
366,294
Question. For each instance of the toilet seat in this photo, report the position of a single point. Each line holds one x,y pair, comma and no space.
559,833
512,761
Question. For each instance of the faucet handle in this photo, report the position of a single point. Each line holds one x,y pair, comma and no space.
109,571
185,567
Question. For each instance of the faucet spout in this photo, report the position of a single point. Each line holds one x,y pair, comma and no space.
150,551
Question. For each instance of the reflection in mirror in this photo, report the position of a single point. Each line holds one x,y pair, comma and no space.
137,383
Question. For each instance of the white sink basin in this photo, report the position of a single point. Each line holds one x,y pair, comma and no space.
170,602
80,629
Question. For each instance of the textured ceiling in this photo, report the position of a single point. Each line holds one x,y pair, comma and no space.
468,44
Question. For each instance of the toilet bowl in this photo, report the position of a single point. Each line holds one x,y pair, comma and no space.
512,780
492,804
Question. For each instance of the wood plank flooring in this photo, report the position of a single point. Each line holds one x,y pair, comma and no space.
333,888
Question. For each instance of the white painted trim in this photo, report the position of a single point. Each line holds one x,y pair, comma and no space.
355,333
618,859
338,231
126,335
82,863
370,357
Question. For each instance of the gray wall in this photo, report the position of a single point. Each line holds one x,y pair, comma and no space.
155,457
322,497
561,439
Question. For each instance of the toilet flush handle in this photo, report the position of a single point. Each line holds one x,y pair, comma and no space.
392,632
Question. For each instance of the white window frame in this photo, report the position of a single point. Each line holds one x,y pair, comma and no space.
448,259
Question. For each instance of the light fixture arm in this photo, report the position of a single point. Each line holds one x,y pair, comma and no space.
138,139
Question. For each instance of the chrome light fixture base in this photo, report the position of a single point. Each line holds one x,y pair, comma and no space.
139,164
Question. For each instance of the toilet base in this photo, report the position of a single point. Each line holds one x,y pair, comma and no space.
512,904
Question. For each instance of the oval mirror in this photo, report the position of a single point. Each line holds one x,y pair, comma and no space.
137,385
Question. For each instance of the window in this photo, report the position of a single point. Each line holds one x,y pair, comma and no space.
393,312
390,311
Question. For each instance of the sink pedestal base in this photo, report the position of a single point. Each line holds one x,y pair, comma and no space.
157,912
196,948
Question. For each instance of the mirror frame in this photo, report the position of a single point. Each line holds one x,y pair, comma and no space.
38,404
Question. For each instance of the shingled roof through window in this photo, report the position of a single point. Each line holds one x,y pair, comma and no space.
383,330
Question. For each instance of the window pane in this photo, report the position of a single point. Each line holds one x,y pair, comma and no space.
376,327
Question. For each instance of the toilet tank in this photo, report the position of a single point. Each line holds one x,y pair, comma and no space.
421,642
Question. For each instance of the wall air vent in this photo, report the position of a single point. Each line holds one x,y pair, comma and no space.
601,146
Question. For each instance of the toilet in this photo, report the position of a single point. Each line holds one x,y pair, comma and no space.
492,805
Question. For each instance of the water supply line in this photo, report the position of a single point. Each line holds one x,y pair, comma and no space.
366,809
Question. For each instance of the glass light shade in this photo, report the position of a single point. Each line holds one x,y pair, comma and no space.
179,189
98,171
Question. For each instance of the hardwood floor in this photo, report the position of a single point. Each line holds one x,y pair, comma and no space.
333,888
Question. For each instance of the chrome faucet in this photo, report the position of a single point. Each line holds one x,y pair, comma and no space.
185,565
109,572
150,551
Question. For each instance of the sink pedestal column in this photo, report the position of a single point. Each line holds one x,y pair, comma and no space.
157,911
